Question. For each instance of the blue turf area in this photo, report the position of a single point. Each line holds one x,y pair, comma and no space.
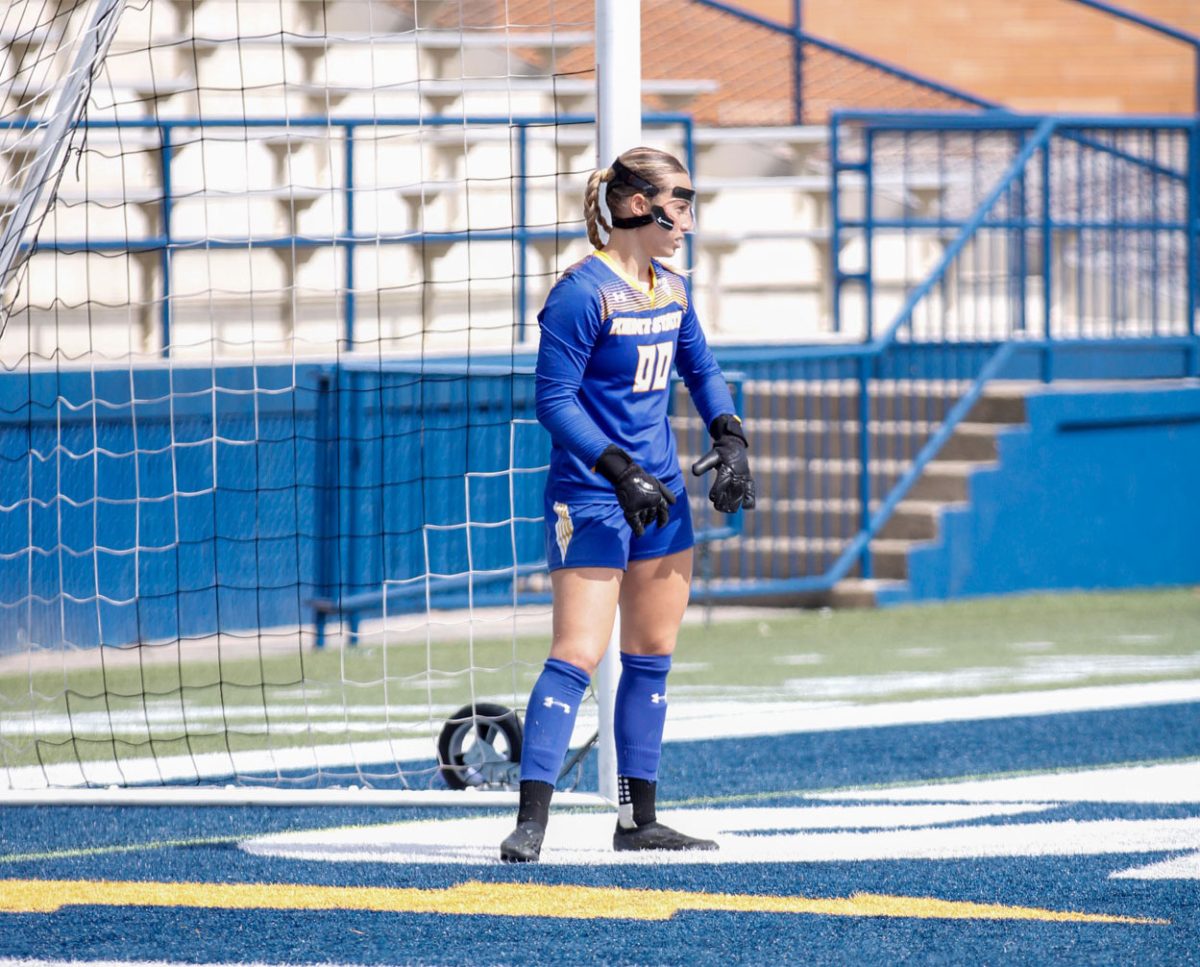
190,845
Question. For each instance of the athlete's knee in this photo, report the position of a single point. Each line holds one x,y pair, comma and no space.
581,657
663,645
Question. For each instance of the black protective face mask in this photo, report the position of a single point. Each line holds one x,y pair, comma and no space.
623,176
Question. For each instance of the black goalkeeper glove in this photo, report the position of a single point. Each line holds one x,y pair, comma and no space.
734,487
642,497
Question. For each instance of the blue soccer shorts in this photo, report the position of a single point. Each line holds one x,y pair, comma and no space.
597,535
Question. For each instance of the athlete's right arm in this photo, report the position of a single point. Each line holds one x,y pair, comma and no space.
570,327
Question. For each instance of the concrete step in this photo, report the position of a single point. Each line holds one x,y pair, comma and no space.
780,557
1000,403
945,480
915,520
808,399
805,441
889,557
796,478
863,592
773,558
775,516
973,441
912,400
840,438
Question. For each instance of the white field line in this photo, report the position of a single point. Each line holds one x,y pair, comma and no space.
1162,783
376,758
688,721
1041,670
694,721
830,834
324,714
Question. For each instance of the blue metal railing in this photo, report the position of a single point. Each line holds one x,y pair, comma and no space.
1112,225
166,242
1128,156
954,96
1158,27
1041,248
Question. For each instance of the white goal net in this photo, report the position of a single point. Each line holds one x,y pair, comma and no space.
269,480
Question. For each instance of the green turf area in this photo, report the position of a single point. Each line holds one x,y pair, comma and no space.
967,647
241,699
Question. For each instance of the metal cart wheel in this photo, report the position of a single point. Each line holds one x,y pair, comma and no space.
480,747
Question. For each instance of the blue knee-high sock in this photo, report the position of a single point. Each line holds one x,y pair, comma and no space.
550,718
640,714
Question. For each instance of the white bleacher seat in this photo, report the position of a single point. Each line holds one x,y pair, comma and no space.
778,203
159,23
247,66
740,267
543,44
222,160
258,212
134,100
493,149
370,63
548,96
382,212
76,217
115,162
39,99
218,18
137,62
20,49
360,100
386,268
313,272
371,59
71,280
743,151
303,155
198,274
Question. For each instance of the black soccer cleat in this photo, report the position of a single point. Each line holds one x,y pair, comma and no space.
523,844
657,836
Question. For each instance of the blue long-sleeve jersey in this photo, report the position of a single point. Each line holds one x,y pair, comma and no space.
603,374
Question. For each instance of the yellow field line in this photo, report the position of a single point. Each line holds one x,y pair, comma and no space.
561,901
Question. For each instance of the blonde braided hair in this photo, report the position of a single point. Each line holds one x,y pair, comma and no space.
649,163
591,206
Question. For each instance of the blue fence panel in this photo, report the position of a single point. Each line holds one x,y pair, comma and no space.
153,505
1087,235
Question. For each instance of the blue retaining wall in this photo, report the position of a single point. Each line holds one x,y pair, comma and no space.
1099,491
123,495
173,503
229,498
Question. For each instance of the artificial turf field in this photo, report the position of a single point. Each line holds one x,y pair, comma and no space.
1004,782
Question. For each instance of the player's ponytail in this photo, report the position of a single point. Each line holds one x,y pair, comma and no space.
591,206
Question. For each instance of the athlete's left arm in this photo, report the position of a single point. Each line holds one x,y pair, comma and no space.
733,487
698,367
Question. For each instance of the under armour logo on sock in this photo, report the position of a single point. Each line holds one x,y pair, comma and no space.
656,698
550,701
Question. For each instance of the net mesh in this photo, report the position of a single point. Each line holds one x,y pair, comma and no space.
265,383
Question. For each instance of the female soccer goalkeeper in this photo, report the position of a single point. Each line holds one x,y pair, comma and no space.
618,527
